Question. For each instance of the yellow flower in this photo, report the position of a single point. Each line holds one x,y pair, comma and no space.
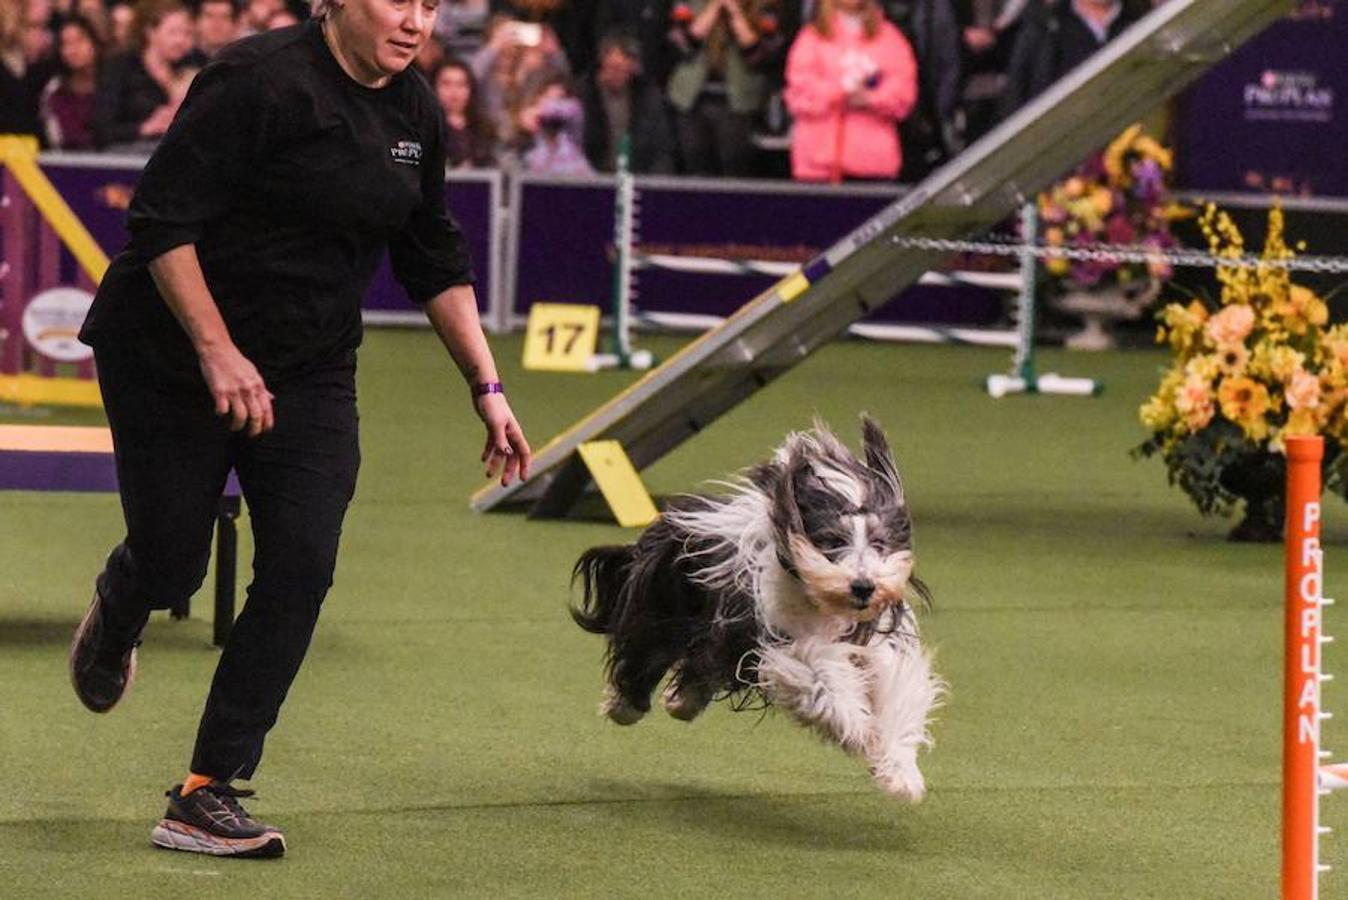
1232,358
1245,402
1300,308
1308,306
1333,378
1277,361
1332,398
1083,210
1189,317
1102,199
1158,413
1148,146
1114,153
1182,325
1301,422
1074,187
1334,344
1206,366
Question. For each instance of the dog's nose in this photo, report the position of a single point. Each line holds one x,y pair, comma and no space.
861,593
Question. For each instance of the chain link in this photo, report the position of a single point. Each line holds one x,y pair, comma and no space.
1002,245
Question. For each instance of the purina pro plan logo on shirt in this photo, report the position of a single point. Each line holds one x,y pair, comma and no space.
407,153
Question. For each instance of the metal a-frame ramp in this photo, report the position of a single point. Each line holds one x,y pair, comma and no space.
1151,61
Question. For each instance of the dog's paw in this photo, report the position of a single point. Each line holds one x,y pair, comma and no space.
618,709
685,701
903,781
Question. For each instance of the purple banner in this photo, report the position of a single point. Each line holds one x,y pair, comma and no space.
100,193
565,246
1273,117
57,471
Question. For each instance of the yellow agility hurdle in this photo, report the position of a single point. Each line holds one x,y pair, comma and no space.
26,189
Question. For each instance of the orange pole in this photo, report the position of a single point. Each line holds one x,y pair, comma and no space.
1303,589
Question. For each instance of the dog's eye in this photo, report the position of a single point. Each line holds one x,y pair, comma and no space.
830,542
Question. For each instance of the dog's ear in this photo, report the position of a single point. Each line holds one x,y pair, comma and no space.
785,509
880,460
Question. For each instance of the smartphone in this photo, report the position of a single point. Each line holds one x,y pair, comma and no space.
528,34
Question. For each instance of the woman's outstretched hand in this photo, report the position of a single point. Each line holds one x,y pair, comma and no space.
506,449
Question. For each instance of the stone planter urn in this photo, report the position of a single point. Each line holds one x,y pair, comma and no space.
1100,307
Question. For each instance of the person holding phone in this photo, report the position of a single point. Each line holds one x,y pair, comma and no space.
850,79
720,86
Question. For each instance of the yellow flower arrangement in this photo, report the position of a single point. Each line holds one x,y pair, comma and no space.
1256,367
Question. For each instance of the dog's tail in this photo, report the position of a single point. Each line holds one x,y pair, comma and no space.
602,572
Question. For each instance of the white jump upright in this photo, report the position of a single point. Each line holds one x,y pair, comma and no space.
621,355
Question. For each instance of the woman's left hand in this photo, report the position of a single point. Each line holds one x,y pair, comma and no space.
506,448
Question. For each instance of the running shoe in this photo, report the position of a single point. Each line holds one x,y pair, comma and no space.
211,820
102,666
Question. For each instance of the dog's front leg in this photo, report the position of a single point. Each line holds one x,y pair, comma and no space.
904,692
819,684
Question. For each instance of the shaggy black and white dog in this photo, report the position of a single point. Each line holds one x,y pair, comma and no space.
797,585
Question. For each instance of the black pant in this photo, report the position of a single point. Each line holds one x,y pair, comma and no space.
715,140
173,456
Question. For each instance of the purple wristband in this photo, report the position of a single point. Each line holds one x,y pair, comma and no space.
483,388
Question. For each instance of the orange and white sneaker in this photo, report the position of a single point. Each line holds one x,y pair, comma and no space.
210,820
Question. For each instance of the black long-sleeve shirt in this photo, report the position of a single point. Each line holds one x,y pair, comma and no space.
290,178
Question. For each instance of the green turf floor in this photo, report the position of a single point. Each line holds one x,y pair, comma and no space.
1112,731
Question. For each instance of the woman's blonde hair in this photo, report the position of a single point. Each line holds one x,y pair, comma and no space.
320,8
871,17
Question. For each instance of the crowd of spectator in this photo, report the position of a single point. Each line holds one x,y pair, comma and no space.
827,90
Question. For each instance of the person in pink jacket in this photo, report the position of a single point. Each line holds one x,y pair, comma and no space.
850,79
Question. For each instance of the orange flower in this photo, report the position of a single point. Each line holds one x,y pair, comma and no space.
1303,391
1232,358
1245,402
1194,402
1232,325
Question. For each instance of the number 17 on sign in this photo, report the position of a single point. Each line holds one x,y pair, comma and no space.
561,337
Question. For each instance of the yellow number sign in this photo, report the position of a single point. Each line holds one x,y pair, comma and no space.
561,336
